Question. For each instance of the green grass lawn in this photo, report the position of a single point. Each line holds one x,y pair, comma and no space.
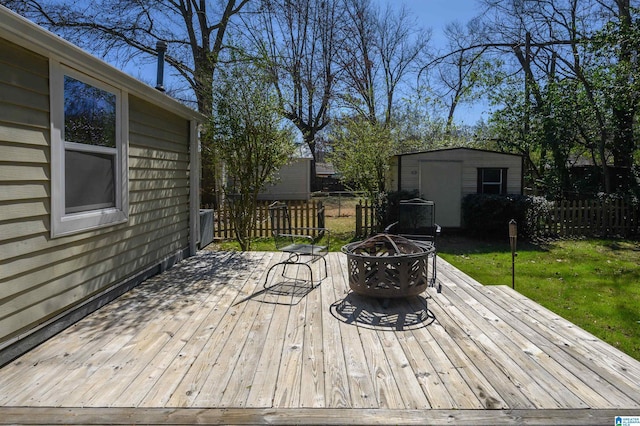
593,283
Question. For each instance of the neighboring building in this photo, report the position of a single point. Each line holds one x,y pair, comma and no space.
328,178
293,182
445,176
99,178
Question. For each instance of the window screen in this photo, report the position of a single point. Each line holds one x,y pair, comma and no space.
89,181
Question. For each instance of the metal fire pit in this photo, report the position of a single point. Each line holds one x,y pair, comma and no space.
388,266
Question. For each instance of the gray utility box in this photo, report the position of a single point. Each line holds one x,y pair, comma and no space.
206,227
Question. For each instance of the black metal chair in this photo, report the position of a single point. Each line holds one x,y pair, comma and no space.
305,245
417,221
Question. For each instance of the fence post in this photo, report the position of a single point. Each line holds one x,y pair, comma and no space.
359,219
365,228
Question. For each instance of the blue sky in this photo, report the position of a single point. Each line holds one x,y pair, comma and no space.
436,14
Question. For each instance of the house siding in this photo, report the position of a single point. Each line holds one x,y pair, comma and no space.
42,277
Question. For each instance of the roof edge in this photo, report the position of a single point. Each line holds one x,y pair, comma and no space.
458,148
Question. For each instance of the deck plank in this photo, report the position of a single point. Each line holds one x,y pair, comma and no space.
510,354
488,381
337,382
175,349
312,381
70,368
215,366
206,335
289,380
152,337
265,378
184,375
304,416
240,376
613,378
551,360
361,387
438,369
387,392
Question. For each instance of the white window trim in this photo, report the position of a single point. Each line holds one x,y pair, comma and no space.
61,222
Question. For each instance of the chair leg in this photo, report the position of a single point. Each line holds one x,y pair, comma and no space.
434,273
284,267
326,271
266,279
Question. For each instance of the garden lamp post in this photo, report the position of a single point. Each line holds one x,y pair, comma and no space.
513,237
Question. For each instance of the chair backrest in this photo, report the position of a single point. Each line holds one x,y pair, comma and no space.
280,224
416,217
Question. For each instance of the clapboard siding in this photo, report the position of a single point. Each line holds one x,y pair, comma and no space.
24,163
98,249
14,95
471,160
42,277
23,135
24,153
23,191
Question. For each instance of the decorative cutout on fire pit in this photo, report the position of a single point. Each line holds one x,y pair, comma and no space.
388,266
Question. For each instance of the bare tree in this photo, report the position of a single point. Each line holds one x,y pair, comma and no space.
298,39
380,49
129,29
401,46
460,74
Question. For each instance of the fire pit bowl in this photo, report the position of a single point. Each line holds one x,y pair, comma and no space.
388,266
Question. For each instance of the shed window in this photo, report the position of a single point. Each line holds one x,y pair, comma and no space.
492,181
89,149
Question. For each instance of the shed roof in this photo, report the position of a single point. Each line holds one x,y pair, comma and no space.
23,32
457,149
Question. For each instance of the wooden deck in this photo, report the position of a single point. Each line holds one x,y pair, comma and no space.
204,342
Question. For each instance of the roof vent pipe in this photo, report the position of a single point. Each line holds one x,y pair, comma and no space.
161,48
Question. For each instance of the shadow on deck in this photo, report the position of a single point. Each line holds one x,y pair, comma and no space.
205,343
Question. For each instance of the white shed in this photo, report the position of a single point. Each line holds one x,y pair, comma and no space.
445,176
293,182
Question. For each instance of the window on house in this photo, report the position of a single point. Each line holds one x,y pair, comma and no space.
492,181
89,149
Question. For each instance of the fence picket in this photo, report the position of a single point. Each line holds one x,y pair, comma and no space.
565,218
304,214
590,218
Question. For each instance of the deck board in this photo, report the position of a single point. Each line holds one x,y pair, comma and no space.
207,340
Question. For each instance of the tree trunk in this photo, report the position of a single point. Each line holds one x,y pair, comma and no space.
625,104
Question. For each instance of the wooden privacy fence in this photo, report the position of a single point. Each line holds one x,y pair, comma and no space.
589,218
563,219
304,214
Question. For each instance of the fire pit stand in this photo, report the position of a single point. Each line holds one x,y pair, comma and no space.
388,266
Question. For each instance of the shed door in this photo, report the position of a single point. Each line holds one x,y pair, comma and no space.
441,182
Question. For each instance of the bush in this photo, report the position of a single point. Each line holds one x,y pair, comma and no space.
488,216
